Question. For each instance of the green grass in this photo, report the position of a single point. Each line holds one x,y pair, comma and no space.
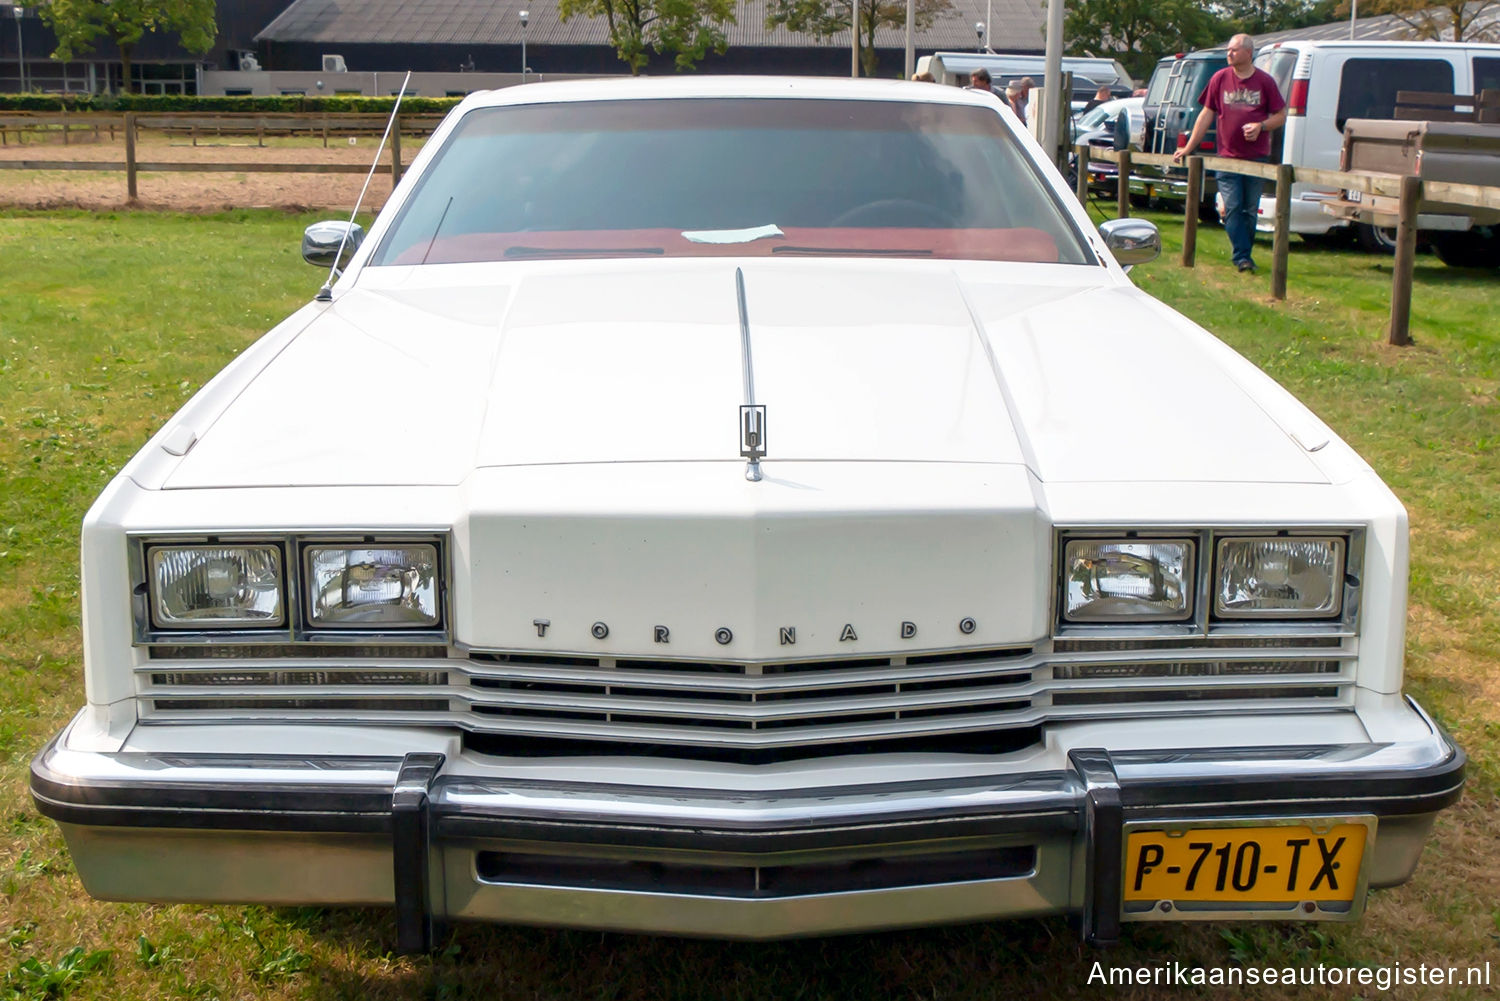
109,322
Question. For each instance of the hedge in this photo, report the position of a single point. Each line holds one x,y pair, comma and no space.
179,102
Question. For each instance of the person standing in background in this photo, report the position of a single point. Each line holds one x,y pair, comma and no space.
1247,105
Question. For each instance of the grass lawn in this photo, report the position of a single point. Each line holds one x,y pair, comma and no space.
109,322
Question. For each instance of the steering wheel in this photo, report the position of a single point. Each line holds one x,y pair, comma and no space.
898,212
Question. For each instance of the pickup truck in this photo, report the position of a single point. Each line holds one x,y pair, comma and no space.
1461,152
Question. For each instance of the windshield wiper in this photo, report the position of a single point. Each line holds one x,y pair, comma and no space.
562,251
855,251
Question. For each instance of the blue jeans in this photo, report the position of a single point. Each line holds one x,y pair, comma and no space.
1241,204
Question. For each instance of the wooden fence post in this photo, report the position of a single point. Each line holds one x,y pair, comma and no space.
1081,158
395,153
130,185
1122,192
1281,242
1406,259
1190,211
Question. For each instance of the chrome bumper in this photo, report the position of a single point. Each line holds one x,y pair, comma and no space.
440,845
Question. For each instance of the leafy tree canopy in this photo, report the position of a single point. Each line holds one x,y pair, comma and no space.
1139,32
825,18
1257,17
1447,20
689,29
79,23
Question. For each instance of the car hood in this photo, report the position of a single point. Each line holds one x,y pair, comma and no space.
421,376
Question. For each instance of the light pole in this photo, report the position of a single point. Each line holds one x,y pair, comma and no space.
978,36
910,53
525,16
20,48
989,19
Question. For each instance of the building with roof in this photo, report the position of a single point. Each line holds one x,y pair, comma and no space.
159,63
446,35
1391,28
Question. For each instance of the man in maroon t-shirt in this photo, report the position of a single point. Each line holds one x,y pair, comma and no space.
1248,105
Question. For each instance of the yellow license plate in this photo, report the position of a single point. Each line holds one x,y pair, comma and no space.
1245,865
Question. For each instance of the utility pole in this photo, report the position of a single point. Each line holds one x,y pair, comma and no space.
854,38
910,53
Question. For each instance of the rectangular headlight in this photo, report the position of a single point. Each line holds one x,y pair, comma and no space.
384,587
1128,580
216,587
1279,578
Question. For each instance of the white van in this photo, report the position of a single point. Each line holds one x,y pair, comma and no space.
953,68
1327,83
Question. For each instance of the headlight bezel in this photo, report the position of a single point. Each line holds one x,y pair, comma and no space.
296,625
1204,621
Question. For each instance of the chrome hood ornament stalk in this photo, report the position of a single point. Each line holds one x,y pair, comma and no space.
752,416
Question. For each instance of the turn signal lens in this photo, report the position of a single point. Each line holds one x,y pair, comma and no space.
370,588
216,587
1128,581
1279,578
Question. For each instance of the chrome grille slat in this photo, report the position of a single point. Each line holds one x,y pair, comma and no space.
747,738
605,704
749,682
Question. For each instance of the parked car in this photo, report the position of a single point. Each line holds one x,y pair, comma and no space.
752,539
1327,83
1102,125
953,68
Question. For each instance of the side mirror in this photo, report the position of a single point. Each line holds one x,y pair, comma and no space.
321,240
1132,241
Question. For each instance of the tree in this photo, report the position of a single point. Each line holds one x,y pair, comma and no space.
688,28
825,18
77,23
1139,32
1257,17
1471,21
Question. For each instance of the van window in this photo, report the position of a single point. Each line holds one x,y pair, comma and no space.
1158,85
1184,90
1280,64
1368,86
1486,74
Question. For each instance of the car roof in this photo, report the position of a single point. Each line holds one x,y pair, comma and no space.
1389,44
664,88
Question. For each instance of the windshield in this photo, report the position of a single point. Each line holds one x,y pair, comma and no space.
1096,116
703,177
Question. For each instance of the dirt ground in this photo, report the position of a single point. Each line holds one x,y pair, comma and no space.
193,192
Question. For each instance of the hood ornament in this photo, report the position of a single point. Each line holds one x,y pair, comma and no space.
752,415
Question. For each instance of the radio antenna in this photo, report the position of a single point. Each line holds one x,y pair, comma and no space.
325,294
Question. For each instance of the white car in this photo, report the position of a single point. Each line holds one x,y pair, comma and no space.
685,516
1101,119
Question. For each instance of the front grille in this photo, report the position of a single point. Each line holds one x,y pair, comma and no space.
265,651
984,700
